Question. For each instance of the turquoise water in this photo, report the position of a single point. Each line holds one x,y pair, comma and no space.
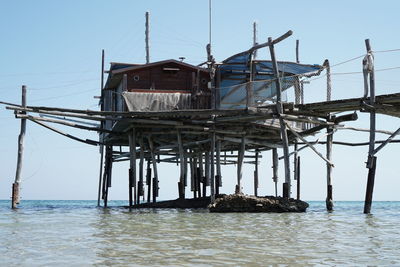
77,233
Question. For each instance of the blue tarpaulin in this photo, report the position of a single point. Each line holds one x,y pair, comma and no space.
235,73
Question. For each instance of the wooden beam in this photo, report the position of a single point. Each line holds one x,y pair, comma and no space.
309,144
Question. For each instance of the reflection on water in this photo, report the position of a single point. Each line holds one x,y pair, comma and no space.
76,234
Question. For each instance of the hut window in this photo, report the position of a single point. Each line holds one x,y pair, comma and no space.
171,70
136,78
203,81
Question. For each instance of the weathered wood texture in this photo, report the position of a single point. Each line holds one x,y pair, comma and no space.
15,187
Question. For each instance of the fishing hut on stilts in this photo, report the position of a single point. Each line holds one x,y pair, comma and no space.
202,117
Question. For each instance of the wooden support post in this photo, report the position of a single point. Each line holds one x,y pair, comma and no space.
102,126
132,170
15,187
298,178
279,108
370,187
212,176
207,168
148,181
241,151
203,174
100,174
218,177
154,161
329,141
107,174
256,175
192,176
181,183
275,164
140,189
368,69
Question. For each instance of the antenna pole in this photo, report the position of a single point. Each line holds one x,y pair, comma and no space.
147,39
209,19
255,39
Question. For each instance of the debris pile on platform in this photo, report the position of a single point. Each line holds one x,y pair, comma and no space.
245,203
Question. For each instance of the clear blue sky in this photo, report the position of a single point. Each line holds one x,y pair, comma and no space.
54,48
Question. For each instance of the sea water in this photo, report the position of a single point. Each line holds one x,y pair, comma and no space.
77,233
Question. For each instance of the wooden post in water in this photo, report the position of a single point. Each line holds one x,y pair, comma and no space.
132,161
212,176
102,125
329,197
154,161
218,177
148,181
107,174
275,164
256,175
15,187
140,189
279,107
329,141
298,178
241,152
202,175
368,69
181,183
207,172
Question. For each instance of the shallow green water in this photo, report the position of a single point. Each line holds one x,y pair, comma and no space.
76,233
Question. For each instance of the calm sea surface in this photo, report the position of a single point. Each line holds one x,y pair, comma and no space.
77,233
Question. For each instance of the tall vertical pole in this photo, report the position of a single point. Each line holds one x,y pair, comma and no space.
154,161
148,180
21,137
181,183
329,141
371,163
298,178
241,152
256,175
132,169
147,39
279,107
102,124
140,189
275,164
218,178
212,184
255,38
